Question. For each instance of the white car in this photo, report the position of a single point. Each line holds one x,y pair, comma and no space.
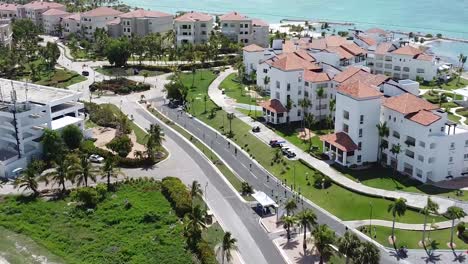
96,158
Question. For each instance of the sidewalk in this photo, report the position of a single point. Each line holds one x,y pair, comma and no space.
413,199
404,226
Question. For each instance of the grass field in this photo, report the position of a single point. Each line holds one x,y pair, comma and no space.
236,90
339,201
111,233
60,78
290,133
139,132
127,71
451,85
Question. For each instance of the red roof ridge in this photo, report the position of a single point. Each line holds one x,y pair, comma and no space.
340,140
407,103
273,105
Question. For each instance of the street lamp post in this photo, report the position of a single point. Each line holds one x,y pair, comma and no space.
206,201
294,176
370,219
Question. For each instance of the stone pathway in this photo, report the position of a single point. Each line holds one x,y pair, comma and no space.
404,226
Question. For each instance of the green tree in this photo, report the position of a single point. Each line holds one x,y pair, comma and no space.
309,120
228,244
110,170
462,60
383,131
454,212
348,245
246,188
194,225
86,171
397,209
331,108
288,222
72,136
51,53
305,104
395,150
430,208
65,169
122,145
368,253
195,191
153,141
323,238
117,52
28,179
52,145
230,117
290,205
307,219
320,92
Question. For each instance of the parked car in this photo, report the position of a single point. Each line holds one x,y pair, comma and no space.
223,91
276,144
290,154
284,150
85,73
96,158
256,129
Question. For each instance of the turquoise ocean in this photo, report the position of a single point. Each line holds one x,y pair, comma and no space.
448,17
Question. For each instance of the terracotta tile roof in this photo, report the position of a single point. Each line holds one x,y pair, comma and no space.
253,48
74,16
384,48
114,22
42,5
353,49
368,78
315,77
233,16
193,17
376,31
274,105
423,117
346,74
9,7
344,54
259,23
359,90
407,50
102,11
293,61
334,41
55,12
141,13
424,57
340,140
407,103
369,41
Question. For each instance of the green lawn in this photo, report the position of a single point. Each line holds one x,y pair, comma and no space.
213,235
60,78
111,233
453,117
412,238
339,201
139,132
236,90
290,133
463,112
251,113
451,85
127,71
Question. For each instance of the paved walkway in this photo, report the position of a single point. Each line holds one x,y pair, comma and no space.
413,199
404,226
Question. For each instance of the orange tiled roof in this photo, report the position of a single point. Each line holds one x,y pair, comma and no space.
9,7
376,31
366,77
259,23
293,61
315,77
407,50
74,16
102,11
233,16
340,140
193,17
423,117
385,47
408,103
141,13
55,12
353,49
42,4
273,105
359,90
369,41
346,74
424,57
344,54
253,48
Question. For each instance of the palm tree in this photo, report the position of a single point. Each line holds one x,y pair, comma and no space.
288,222
305,104
462,61
396,149
454,212
384,131
331,108
28,179
109,170
430,208
229,243
230,117
368,253
323,238
205,99
348,245
306,219
289,105
87,171
290,206
320,92
65,169
195,190
309,120
153,140
397,208
194,224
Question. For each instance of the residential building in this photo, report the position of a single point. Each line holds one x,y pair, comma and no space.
71,24
245,30
8,11
402,62
6,33
52,20
140,22
378,34
25,111
336,51
97,18
252,54
34,10
193,27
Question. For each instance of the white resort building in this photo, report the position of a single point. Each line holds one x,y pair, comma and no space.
193,27
52,19
245,30
97,18
25,111
6,33
140,22
34,10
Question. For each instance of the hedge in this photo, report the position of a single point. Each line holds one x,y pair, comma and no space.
177,194
205,253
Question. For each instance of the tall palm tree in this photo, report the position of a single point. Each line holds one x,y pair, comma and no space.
430,208
289,106
395,150
397,208
230,117
110,170
307,219
462,60
383,131
154,140
290,205
320,92
309,120
323,238
348,245
228,244
195,190
454,212
331,108
305,104
28,179
86,171
368,254
65,169
288,222
194,224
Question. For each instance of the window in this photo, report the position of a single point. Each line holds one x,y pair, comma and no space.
410,141
299,92
429,174
421,158
277,95
409,153
431,160
388,66
203,32
360,132
265,70
465,156
422,144
466,143
345,114
408,169
361,119
359,158
452,145
306,94
432,146
345,128
277,84
405,69
419,173
225,25
203,25
396,134
288,87
306,84
359,145
419,70
450,160
298,112
397,68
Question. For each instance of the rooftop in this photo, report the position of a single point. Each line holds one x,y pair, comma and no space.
423,117
233,16
340,140
141,13
376,31
259,23
55,12
359,90
315,77
9,7
102,11
41,5
253,48
369,41
408,103
193,17
300,60
74,16
274,105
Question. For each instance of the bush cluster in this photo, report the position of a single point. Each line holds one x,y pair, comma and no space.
119,86
177,194
89,197
205,253
102,115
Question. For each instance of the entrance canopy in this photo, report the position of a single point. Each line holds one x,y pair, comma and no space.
263,199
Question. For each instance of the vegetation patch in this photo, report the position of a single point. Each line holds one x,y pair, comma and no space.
119,86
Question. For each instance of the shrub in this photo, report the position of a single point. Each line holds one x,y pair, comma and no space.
461,227
72,136
119,86
122,145
177,194
86,197
246,188
321,181
150,217
205,253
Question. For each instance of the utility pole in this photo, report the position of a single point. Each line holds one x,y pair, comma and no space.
370,220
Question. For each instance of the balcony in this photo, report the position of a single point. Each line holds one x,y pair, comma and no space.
410,143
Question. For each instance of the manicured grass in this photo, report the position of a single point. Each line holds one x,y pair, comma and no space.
290,133
462,112
127,71
251,113
453,117
90,124
412,238
236,90
339,201
60,78
213,235
451,85
111,233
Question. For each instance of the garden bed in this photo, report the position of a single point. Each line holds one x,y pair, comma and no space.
119,86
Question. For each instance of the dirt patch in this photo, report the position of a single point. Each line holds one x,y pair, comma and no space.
305,134
104,135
